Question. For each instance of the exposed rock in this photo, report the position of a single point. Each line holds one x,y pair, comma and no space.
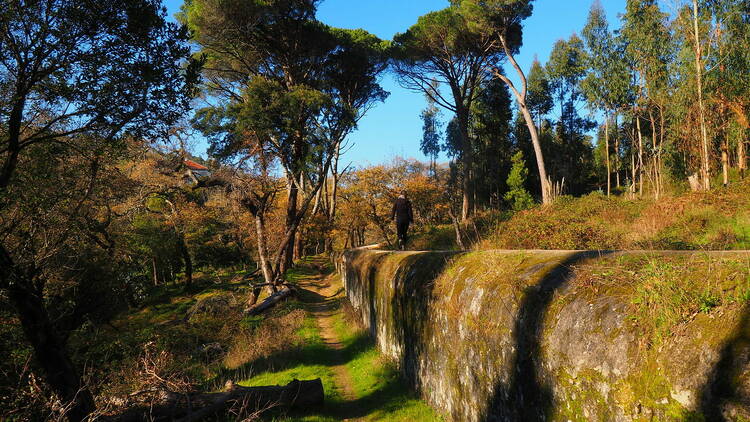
514,336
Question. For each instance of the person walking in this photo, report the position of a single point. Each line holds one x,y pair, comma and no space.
403,216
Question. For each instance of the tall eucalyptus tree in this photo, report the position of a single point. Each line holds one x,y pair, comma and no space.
607,80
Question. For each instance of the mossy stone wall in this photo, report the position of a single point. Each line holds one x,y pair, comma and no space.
556,335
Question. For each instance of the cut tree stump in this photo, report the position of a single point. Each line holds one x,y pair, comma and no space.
194,407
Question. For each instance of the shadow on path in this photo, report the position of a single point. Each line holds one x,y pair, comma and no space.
323,297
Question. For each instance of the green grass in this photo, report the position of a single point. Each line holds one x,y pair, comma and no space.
380,394
376,382
308,364
667,291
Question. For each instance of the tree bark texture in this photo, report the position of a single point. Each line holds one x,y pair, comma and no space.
606,154
271,301
725,161
466,161
741,158
287,256
617,151
701,106
640,156
521,98
50,351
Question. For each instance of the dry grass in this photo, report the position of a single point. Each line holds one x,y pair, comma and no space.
665,292
719,219
274,335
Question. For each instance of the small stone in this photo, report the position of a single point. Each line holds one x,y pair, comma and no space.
684,397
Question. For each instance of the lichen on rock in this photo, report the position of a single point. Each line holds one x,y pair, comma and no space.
562,335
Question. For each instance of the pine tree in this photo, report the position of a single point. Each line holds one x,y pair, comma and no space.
518,197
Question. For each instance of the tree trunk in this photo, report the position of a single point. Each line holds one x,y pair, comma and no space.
186,258
287,255
725,161
50,351
270,301
317,201
335,188
466,163
153,266
701,107
662,126
617,151
606,153
298,246
521,98
457,229
640,156
13,148
260,230
656,161
632,172
741,158
269,276
546,188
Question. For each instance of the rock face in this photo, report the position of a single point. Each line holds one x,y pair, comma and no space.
519,336
214,305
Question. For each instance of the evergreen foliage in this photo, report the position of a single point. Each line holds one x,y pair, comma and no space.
517,196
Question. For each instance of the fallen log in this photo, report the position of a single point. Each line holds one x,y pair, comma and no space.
272,300
195,407
249,276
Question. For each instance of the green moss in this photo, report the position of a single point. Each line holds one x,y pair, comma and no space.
581,395
661,294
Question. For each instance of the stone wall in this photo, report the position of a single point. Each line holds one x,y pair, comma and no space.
520,336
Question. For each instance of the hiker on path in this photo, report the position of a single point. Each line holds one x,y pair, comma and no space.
403,216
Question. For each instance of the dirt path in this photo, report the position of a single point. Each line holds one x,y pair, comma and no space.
324,304
365,386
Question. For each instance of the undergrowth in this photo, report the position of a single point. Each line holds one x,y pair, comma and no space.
716,220
667,291
192,339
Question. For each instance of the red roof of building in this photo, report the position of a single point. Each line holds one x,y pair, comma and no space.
192,165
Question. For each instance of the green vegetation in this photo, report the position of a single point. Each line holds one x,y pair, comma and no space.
517,195
124,258
197,340
377,381
306,362
692,221
667,291
632,332
379,394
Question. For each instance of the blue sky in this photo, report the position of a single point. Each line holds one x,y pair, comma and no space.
394,128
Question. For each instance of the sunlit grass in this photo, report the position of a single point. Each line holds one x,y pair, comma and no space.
380,394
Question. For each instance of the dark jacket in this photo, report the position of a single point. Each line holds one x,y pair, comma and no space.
402,211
